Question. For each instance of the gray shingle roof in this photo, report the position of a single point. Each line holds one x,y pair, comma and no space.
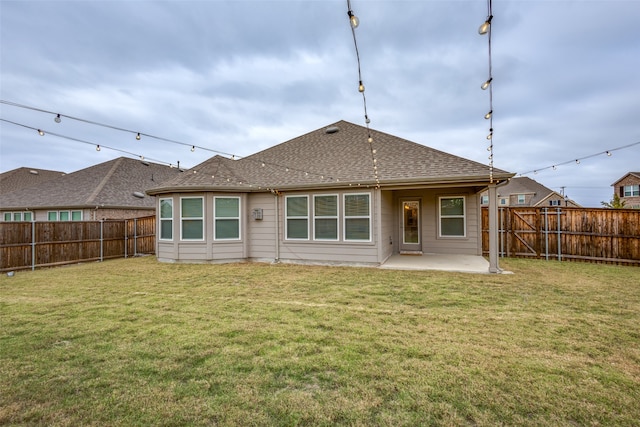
636,174
322,159
17,179
525,185
108,184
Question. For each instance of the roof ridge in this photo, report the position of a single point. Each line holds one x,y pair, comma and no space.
104,180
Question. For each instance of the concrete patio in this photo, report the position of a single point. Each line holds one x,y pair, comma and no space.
458,263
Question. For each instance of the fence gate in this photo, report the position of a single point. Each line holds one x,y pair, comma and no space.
523,237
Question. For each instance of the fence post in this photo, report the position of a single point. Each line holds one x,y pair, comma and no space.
135,237
546,235
558,213
126,238
101,240
33,245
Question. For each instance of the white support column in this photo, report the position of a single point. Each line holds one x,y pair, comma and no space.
493,230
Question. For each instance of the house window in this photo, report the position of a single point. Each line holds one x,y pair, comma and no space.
555,202
452,217
166,219
325,217
192,218
357,217
521,199
64,215
631,190
226,218
503,201
17,216
297,217
484,200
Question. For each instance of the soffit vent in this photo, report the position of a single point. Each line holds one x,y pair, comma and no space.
332,129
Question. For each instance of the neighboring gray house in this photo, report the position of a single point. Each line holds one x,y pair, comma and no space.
20,178
111,190
524,191
328,197
628,188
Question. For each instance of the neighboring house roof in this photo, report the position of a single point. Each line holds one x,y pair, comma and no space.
110,184
338,155
527,186
20,178
634,174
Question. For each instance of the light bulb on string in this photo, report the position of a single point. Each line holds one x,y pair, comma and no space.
484,28
97,148
577,161
488,115
486,84
193,148
370,139
490,136
138,136
40,132
609,153
353,19
360,87
57,119
554,167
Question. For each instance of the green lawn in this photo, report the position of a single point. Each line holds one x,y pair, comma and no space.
137,343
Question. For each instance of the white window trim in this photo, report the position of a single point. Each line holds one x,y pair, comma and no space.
633,188
286,219
239,238
53,212
165,219
344,218
336,217
463,216
522,199
204,225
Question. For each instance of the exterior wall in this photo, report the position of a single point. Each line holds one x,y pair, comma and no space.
332,252
387,236
630,202
431,241
261,233
265,239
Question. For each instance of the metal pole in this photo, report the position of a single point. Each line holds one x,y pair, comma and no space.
101,240
502,231
558,212
135,237
546,235
33,245
493,230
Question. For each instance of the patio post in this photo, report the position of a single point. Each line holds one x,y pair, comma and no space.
493,229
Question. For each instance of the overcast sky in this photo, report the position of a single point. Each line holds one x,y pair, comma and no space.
240,76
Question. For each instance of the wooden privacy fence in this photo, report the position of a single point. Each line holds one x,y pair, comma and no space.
562,233
27,245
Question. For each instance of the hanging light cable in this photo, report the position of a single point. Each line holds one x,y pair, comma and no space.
485,28
354,22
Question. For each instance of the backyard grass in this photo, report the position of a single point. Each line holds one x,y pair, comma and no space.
136,343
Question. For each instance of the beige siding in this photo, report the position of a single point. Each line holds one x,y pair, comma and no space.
431,241
388,236
338,252
261,234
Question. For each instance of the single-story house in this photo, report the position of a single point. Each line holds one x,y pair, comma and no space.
524,191
628,189
111,190
342,194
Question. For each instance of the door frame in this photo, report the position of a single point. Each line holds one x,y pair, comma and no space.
410,248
